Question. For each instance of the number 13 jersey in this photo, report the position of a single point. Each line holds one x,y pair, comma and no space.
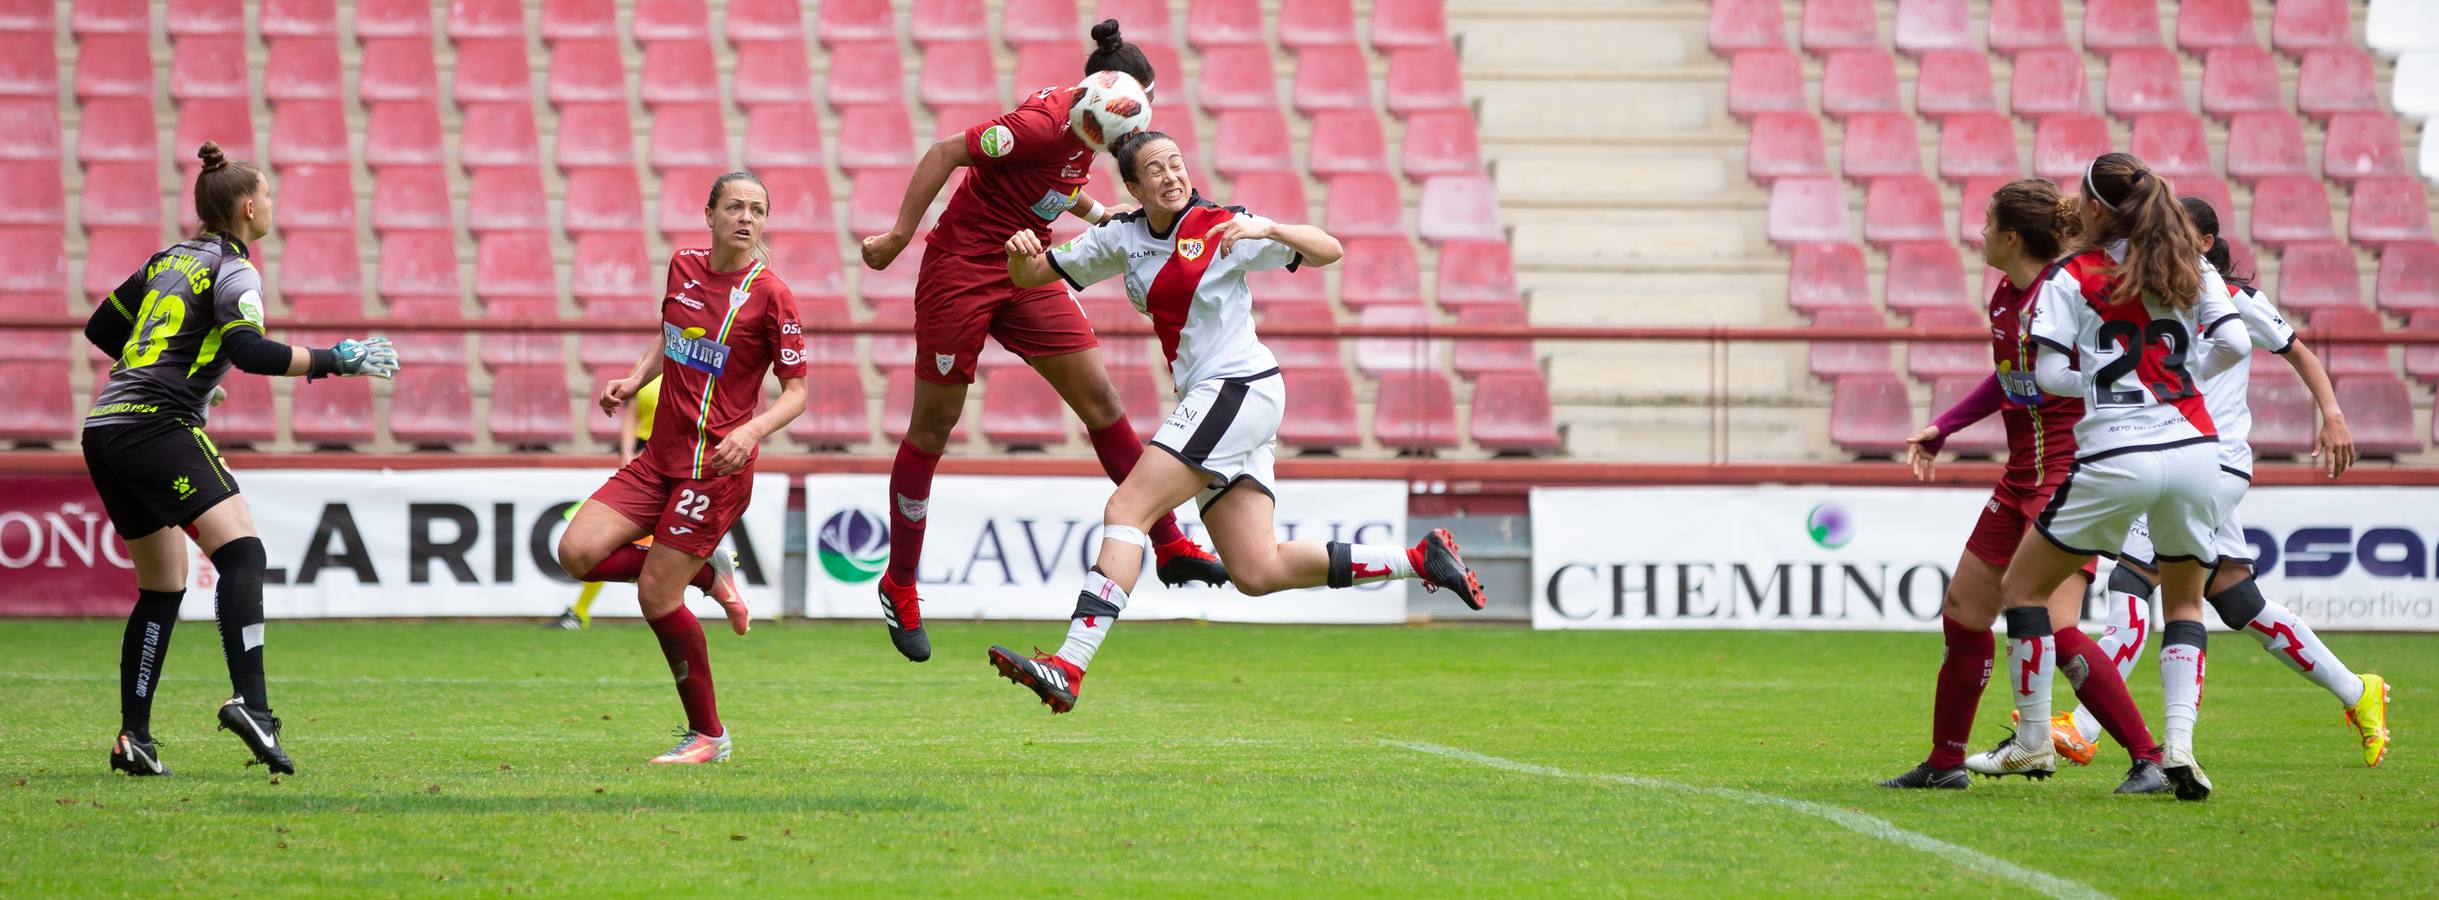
2141,384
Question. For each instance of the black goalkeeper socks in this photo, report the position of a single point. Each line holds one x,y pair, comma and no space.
141,654
240,611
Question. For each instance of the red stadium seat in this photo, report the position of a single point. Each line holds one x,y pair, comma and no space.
1806,210
1380,272
1902,210
2380,413
1415,413
843,22
800,203
781,136
1222,23
1038,22
522,348
1332,78
1457,208
1475,273
1978,145
403,133
2063,145
91,17
33,18
828,350
486,20
1511,414
782,20
29,66
114,65
692,136
2350,359
1408,23
1953,82
110,255
2299,27
2206,25
298,18
2145,81
593,71
529,406
1348,142
776,72
1929,26
2386,211
391,19
331,412
1237,78
1146,21
2336,80
679,214
208,68
1784,145
1880,145
2318,276
317,197
496,71
418,266
1475,359
122,195
397,69
506,198
41,408
898,405
1276,195
2213,191
36,123
2172,143
2408,281
118,129
1023,412
2110,26
1974,210
2282,408
497,135
948,21
1767,81
1827,276
2265,145
1301,352
1423,79
435,408
318,262
594,135
959,74
1436,143
2362,145
32,194
2240,80
677,73
1924,277
1252,140
505,268
834,416
892,354
1829,25
576,20
1735,25
1932,361
872,137
1855,82
671,20
1320,410
309,133
2290,210
1987,437
2422,360
866,74
872,199
615,271
1377,356
1047,65
599,200
247,418
1365,206
2047,83
1870,415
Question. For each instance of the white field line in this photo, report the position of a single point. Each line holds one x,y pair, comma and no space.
1869,826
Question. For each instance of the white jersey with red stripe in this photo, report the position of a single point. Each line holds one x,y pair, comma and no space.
2137,359
1197,298
2226,392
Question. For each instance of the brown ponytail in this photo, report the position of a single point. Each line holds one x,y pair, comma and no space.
220,186
2033,210
2134,204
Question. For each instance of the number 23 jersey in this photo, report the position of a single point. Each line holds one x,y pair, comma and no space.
2138,359
719,332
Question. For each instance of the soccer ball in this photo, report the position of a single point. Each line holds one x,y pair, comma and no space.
1114,106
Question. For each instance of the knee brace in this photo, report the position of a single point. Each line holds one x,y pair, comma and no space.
2238,605
2126,579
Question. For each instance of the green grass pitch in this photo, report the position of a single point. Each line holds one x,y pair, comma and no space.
1203,760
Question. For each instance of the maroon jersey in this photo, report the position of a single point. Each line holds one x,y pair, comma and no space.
2040,427
719,333
1028,169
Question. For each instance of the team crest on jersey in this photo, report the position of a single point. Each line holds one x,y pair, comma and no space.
997,141
1191,249
944,362
250,307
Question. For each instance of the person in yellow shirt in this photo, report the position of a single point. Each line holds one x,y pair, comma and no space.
633,431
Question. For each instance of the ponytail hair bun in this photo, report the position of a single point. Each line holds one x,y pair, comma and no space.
213,161
1111,53
1105,36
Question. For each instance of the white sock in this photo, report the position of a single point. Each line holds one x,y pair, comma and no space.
2293,643
1097,608
2030,663
2128,628
1354,564
2181,670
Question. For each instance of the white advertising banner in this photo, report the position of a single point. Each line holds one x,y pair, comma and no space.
1880,558
452,542
1017,548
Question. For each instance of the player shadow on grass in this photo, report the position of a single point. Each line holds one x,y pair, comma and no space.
461,800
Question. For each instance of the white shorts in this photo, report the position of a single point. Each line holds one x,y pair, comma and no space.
2227,540
1228,429
2175,489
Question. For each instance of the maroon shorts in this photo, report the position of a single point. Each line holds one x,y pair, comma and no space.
685,514
2011,509
959,299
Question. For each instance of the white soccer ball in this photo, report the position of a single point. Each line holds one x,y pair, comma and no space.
1114,105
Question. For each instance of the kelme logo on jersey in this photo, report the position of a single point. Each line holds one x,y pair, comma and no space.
1191,249
996,141
853,546
1829,526
1053,203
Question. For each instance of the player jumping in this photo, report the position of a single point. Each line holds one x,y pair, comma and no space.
1184,261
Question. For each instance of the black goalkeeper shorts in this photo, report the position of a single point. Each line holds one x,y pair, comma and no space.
155,474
